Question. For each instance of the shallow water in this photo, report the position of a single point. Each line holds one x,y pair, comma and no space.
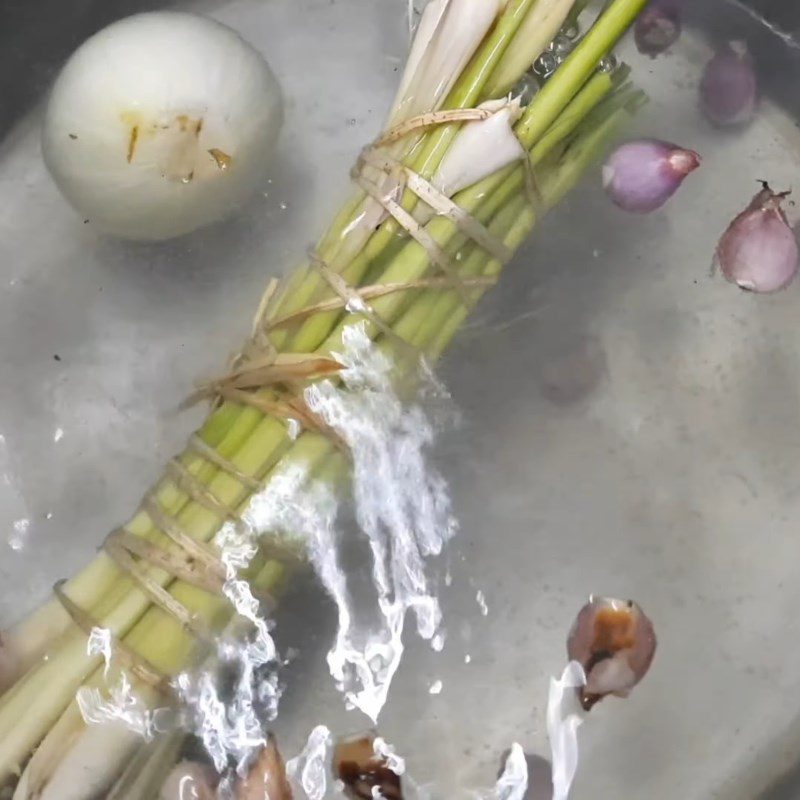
666,472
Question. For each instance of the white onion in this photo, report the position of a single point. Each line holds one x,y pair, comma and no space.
160,123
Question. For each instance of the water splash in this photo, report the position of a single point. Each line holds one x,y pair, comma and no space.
19,535
100,644
122,705
387,752
513,782
231,722
308,772
401,504
563,721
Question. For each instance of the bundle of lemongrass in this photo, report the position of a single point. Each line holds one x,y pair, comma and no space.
446,195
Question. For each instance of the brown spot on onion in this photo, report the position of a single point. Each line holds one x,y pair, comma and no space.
614,642
132,139
221,158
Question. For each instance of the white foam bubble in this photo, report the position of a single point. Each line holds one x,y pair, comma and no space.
99,644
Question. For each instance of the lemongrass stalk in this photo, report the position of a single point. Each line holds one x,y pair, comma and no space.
144,775
586,150
544,109
429,23
464,94
76,762
142,603
27,641
562,86
157,637
263,431
88,759
594,91
482,64
452,39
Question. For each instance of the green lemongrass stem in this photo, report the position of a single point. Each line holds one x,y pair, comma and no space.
595,45
27,641
141,605
535,34
116,747
519,216
413,259
515,215
54,620
537,118
88,758
584,152
467,89
594,90
38,701
231,479
464,94
63,675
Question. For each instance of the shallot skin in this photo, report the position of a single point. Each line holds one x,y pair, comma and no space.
658,27
729,88
640,176
614,642
267,776
758,251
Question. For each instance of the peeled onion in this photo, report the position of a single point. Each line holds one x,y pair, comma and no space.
641,176
614,642
758,252
161,123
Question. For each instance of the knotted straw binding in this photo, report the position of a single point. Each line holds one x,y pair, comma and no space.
259,367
